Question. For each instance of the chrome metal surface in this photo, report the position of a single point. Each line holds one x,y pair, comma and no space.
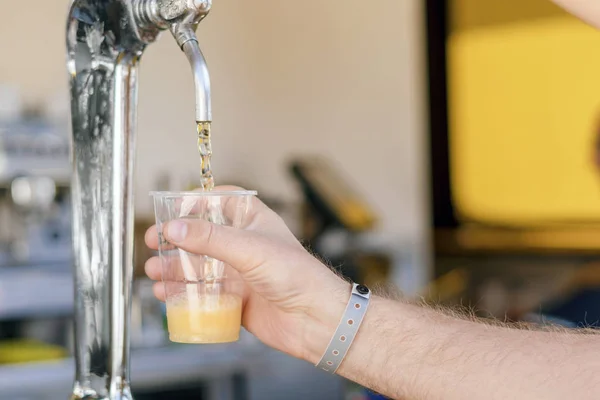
105,40
104,47
201,80
156,15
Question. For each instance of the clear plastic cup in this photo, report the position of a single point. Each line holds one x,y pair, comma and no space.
203,295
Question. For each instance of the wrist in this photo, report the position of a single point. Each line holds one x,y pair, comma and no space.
324,320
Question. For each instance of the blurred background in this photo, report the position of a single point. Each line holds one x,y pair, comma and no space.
446,149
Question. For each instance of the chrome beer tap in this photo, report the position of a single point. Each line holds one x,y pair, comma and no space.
105,41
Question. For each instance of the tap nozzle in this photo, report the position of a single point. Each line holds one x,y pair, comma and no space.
191,48
182,17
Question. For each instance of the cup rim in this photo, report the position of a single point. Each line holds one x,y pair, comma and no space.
199,193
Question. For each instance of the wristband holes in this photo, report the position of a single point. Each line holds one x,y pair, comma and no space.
357,306
335,353
329,363
350,322
342,338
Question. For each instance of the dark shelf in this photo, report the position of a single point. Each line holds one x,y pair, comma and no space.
481,240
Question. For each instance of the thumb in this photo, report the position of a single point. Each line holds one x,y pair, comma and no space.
243,250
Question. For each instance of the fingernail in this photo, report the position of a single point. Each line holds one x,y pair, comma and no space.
177,231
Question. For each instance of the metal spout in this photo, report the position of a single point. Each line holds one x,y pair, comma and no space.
182,17
201,80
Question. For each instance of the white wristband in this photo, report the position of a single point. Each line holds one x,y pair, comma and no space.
347,329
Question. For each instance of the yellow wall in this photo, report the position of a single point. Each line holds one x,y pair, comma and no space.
524,105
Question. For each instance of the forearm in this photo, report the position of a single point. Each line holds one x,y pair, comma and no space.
412,352
587,10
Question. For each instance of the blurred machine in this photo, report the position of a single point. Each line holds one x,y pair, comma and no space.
35,237
34,193
330,200
333,219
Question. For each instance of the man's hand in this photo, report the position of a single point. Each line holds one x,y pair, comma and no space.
293,301
294,304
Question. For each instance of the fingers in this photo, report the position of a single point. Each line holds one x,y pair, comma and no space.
241,249
259,217
159,291
151,238
154,269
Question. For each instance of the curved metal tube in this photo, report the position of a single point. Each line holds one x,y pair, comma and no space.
192,51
